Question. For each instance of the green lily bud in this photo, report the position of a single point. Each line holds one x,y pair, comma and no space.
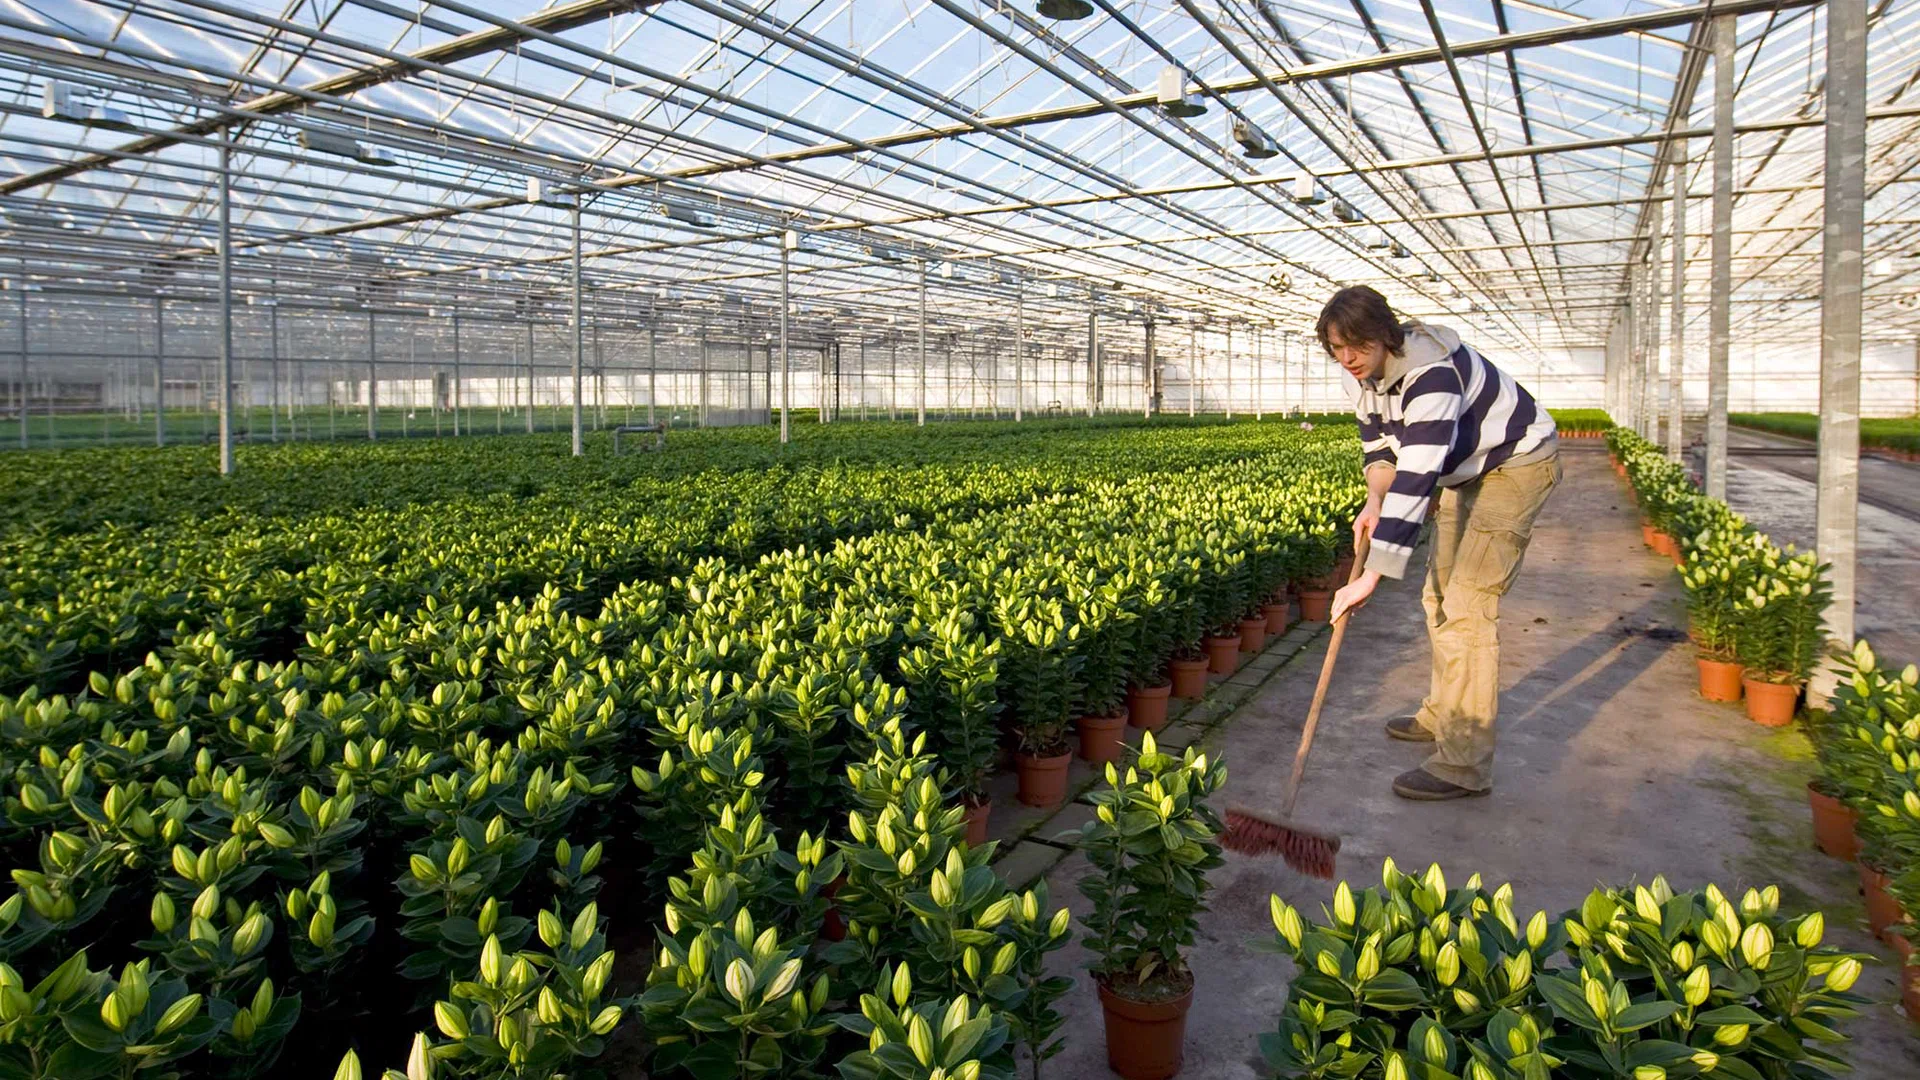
162,913
902,985
1756,945
920,1039
1003,960
491,961
179,1013
607,1019
1061,920
1343,910
1811,929
550,930
449,1020
1730,1034
1843,975
1696,986
252,934
1537,929
113,1012
1649,1072
1446,965
349,1067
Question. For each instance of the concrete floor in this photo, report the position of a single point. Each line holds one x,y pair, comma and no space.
1610,769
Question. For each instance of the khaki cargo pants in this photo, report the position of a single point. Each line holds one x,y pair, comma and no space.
1480,534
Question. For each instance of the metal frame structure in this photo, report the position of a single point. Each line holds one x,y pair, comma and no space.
969,175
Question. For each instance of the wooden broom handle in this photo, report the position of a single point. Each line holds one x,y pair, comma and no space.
1326,678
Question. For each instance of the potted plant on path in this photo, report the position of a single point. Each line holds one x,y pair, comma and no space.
953,679
1105,664
1717,576
1040,666
1149,655
1779,634
1151,843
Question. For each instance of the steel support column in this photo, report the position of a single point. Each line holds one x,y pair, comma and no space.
1677,367
1843,238
1019,351
1650,392
1720,309
786,366
159,370
579,339
1229,393
1093,363
226,305
653,365
1151,404
920,408
373,398
456,374
1193,366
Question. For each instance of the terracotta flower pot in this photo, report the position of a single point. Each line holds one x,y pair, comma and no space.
1223,653
1664,545
1188,678
1833,825
1646,533
833,927
1253,634
1276,614
1883,910
1315,604
1719,679
1102,738
1147,705
979,815
1910,989
1146,1040
1343,568
1770,703
1043,780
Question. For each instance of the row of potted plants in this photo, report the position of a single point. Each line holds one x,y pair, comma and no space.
1756,613
1755,609
1866,800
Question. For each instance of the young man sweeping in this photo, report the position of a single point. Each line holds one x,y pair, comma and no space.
1444,431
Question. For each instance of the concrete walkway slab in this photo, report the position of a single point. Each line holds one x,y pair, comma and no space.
1610,769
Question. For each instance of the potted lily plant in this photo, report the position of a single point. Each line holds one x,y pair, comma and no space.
1151,843
1187,669
1315,580
1041,667
1779,632
1717,575
1150,654
1105,662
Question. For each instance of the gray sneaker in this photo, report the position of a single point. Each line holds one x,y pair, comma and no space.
1408,729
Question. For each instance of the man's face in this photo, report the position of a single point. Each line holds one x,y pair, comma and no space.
1362,359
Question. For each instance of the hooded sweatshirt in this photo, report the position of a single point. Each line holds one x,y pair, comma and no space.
1442,415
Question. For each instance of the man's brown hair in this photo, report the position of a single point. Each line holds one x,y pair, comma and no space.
1362,317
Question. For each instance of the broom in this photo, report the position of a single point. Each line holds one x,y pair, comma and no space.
1308,851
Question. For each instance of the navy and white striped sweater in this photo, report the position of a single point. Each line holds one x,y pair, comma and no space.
1442,415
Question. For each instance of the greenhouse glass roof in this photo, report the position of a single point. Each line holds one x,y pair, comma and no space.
1492,162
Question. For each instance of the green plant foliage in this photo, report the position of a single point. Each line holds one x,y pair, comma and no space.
1886,433
1151,843
1581,421
1416,979
360,726
1746,598
1869,750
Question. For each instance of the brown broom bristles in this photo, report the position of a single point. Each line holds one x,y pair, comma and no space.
1306,851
